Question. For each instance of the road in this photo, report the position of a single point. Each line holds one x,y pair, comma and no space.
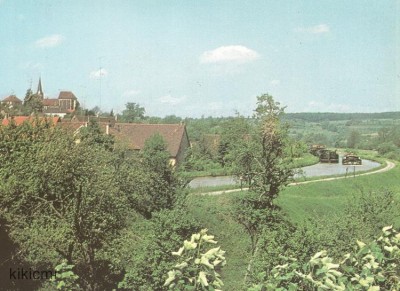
320,169
389,166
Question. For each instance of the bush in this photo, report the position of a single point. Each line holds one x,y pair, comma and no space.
373,266
151,257
197,268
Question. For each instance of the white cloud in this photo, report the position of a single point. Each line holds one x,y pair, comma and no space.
317,29
97,74
232,53
275,82
168,99
49,41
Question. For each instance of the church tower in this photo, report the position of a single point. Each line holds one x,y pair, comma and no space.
39,91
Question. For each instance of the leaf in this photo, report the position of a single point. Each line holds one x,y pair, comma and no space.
203,279
189,245
179,252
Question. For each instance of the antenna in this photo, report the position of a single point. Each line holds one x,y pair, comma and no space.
100,76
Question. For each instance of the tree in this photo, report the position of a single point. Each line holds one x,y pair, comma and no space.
353,138
234,133
154,185
93,135
32,102
132,113
148,258
264,162
268,165
60,200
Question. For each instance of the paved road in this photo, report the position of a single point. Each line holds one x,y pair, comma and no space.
389,166
320,169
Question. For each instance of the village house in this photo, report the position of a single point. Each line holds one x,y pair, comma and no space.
66,102
134,135
11,101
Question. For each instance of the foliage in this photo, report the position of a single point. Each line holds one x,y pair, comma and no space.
269,166
148,258
133,112
154,185
373,266
65,278
353,139
197,267
234,132
93,135
254,216
60,199
32,103
281,237
362,217
263,162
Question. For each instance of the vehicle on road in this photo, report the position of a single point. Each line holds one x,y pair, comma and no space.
329,156
351,159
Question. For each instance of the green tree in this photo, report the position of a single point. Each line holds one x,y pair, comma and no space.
93,135
60,200
155,185
32,103
353,139
133,112
147,250
269,165
265,164
235,133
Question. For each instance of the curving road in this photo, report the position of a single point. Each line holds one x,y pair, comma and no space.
320,169
389,165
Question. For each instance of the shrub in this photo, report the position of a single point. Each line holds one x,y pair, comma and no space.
197,267
373,266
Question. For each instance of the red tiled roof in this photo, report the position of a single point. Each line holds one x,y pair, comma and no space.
21,119
66,95
136,134
12,98
71,125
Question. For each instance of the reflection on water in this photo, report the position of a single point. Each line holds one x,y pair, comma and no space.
309,171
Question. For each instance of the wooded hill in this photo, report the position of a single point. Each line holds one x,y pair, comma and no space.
331,116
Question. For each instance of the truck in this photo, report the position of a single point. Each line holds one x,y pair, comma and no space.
329,156
316,149
351,159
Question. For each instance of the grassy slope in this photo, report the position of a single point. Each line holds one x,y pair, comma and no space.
323,197
299,202
213,212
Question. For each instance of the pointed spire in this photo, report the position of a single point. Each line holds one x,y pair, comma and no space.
40,89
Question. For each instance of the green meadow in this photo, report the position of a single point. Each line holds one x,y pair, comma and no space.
299,202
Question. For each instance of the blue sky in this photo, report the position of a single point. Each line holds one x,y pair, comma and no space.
193,58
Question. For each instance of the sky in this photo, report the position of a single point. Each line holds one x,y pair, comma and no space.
205,58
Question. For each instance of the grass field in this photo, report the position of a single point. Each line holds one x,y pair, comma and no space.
299,202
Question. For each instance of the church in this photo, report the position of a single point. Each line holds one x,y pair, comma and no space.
64,104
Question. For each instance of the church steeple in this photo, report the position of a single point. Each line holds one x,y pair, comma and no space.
40,89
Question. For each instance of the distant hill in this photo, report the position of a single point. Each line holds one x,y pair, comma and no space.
322,116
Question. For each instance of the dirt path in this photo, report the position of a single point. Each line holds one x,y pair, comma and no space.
389,166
